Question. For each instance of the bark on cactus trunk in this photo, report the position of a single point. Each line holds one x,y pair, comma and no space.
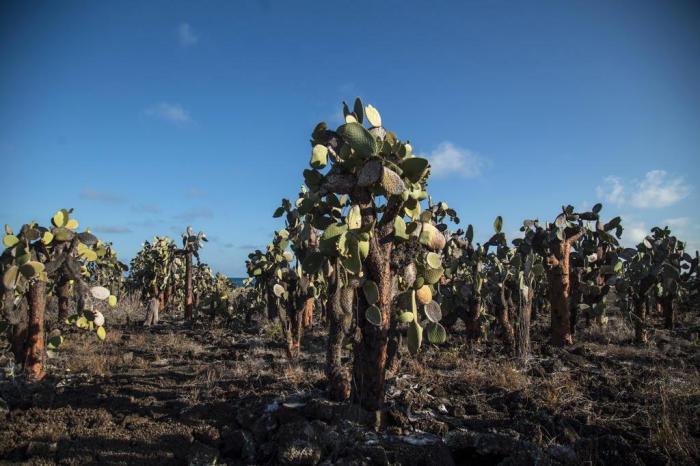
522,340
370,353
339,312
152,313
189,295
64,298
559,289
308,317
473,321
19,336
640,314
667,308
502,306
34,362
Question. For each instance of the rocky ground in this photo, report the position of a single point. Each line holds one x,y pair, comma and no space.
173,394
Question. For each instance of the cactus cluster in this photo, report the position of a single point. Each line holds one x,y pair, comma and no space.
39,259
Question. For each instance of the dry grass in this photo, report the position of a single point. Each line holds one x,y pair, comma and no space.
674,412
85,354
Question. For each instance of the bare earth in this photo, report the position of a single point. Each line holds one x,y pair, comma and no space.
174,394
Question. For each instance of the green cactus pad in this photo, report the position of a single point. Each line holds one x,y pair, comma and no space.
437,334
354,217
63,234
498,224
9,278
406,317
358,138
433,311
370,173
414,168
99,292
371,291
47,238
278,290
374,315
101,333
415,337
432,276
431,237
31,269
373,116
10,240
433,260
319,156
60,218
392,182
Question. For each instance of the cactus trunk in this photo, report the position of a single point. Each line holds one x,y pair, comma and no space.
189,298
64,296
371,352
667,308
640,314
559,288
502,306
152,313
308,317
19,337
338,376
522,340
473,319
34,362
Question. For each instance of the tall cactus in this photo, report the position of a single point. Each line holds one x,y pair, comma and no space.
191,244
34,258
377,180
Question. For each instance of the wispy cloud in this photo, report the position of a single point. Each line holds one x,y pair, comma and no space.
146,208
228,245
186,35
656,190
101,196
249,247
635,231
448,159
612,190
170,112
678,222
195,214
115,229
194,193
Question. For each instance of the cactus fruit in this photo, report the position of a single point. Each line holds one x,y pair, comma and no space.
424,294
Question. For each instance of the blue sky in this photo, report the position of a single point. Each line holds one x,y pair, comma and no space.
149,116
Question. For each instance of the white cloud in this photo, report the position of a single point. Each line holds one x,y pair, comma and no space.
612,190
187,35
448,159
635,231
173,113
677,222
656,190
